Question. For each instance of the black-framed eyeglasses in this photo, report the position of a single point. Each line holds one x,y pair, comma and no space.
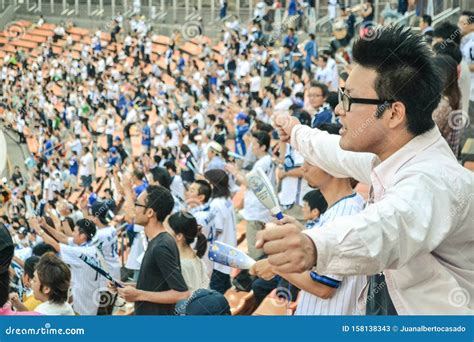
347,101
140,205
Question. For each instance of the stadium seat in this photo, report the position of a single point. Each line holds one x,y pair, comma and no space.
42,33
24,44
161,40
47,27
274,306
239,301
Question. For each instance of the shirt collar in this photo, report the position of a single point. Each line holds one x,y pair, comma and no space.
202,207
384,171
323,108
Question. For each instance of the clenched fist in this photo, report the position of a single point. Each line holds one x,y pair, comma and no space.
288,249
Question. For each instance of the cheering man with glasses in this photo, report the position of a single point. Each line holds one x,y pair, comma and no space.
160,282
414,240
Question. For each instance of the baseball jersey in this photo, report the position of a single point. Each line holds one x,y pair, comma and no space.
223,226
106,242
348,288
85,282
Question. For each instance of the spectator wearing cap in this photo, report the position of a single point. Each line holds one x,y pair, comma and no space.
317,96
6,256
85,283
204,302
106,241
241,129
113,158
214,155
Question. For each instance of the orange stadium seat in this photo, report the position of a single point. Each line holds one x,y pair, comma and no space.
24,44
40,32
191,49
9,48
235,299
78,31
274,306
162,40
23,23
47,27
35,39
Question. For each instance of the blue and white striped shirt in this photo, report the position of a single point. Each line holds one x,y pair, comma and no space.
347,288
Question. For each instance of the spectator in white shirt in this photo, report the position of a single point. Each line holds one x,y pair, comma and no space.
223,225
86,169
254,212
417,229
286,102
85,281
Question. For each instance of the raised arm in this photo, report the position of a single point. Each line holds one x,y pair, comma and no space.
322,149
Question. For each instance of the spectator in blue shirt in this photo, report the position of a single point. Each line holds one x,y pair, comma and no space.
139,182
317,96
114,157
146,135
241,129
73,165
291,40
311,50
292,8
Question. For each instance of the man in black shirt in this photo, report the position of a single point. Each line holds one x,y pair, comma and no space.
160,283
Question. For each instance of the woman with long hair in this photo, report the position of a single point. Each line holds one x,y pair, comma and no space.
184,228
448,115
222,225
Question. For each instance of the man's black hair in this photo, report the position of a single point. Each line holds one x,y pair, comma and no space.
162,176
427,19
448,48
87,227
262,138
322,86
405,73
448,32
160,200
316,200
204,189
286,91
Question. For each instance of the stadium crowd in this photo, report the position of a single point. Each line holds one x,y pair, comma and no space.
140,167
